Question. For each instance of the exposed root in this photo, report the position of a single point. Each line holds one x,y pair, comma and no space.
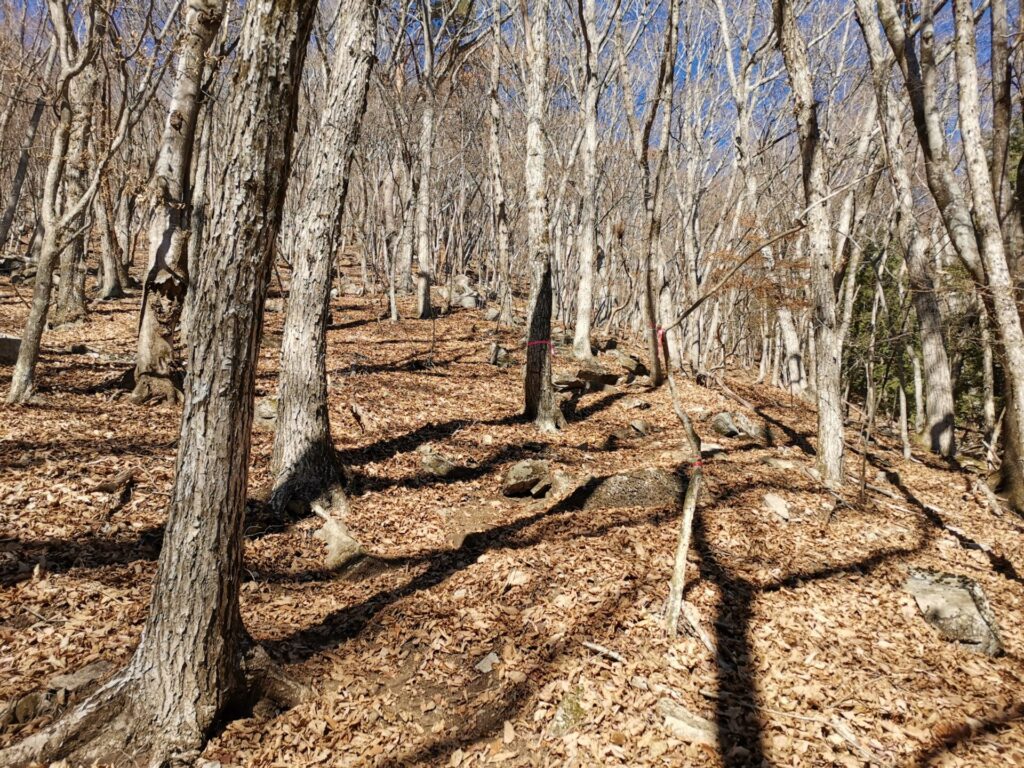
155,389
343,549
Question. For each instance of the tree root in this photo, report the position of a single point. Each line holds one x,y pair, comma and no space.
122,721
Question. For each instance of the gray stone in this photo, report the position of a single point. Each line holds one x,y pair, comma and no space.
724,425
640,426
524,477
493,313
776,463
686,726
648,488
635,404
469,301
436,464
463,284
9,346
777,505
265,413
957,607
596,376
629,362
564,382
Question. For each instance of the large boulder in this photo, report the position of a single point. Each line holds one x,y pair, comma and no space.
631,363
527,478
735,424
596,376
649,488
957,607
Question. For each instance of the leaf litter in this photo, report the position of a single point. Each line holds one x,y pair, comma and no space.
817,655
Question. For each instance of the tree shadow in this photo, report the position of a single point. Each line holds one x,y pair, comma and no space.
968,731
348,622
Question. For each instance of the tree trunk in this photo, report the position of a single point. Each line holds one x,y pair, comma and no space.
188,667
305,467
793,363
588,211
828,338
498,202
541,407
111,267
423,254
167,272
82,91
21,171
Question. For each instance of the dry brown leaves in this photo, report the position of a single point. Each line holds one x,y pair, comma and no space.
455,648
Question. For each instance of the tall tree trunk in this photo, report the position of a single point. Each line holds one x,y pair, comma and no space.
828,338
112,269
21,171
939,407
541,407
167,273
82,90
305,466
188,667
498,202
423,252
588,210
990,239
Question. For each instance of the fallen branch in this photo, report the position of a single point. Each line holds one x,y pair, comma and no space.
608,652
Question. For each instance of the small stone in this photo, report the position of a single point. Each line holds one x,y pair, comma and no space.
469,301
523,477
777,505
437,465
640,426
635,404
629,362
724,425
265,413
776,463
492,314
957,607
686,726
486,664
487,440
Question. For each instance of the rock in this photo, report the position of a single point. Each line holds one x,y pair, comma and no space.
463,284
629,362
486,664
648,488
776,463
265,413
525,478
568,715
635,404
708,448
640,426
596,376
686,726
79,679
777,505
342,548
957,607
30,706
493,313
724,425
436,464
730,424
9,346
469,301
498,355
351,289
564,382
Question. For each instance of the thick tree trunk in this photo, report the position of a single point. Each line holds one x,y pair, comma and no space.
167,272
304,466
188,667
541,407
828,338
793,361
112,271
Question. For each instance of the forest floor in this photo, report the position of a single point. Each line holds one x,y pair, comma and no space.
823,657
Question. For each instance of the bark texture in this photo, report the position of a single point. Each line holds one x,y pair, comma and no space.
167,271
304,463
188,667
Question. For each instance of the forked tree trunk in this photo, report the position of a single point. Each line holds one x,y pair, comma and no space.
21,171
304,463
828,338
541,407
188,667
167,271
